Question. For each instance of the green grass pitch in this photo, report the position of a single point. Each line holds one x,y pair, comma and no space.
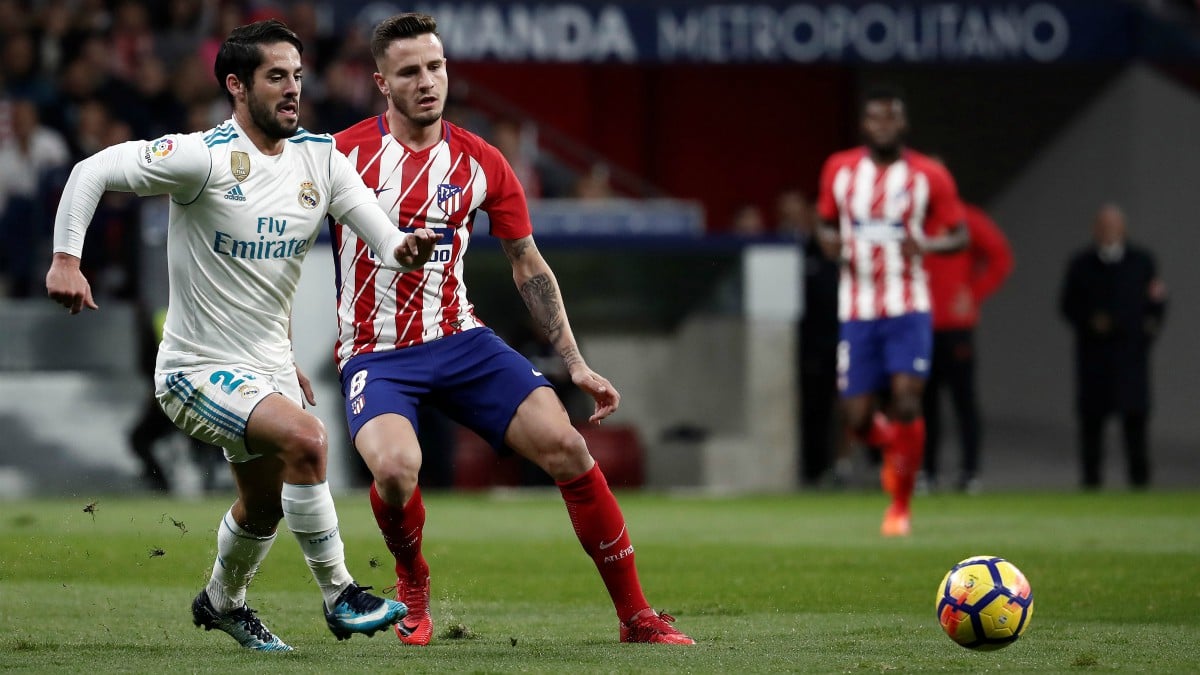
799,583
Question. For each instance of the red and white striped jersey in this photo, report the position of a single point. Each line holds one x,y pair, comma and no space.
876,208
440,188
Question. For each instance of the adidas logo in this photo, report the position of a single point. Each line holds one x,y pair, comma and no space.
235,194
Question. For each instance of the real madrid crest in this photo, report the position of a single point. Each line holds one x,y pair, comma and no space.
309,197
239,164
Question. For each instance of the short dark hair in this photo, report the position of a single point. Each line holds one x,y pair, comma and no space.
401,27
881,92
241,53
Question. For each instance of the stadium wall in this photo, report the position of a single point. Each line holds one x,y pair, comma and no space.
1135,146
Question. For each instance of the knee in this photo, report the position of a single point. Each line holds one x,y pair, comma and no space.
907,408
396,480
305,445
565,455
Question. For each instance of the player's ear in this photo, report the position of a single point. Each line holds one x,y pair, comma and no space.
234,85
381,83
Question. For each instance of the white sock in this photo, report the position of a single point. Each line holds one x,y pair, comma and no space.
238,556
310,515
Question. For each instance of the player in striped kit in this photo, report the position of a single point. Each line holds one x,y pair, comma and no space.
883,206
247,199
405,338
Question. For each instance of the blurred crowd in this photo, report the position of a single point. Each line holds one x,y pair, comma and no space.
80,75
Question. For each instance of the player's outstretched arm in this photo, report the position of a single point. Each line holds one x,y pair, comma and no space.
540,291
90,178
179,168
395,250
66,285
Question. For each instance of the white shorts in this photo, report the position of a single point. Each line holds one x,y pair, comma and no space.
213,404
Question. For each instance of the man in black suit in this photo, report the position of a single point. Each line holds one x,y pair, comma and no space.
1115,302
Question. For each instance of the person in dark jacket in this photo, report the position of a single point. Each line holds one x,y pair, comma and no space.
1115,302
959,284
820,427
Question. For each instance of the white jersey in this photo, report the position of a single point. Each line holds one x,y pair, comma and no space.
240,225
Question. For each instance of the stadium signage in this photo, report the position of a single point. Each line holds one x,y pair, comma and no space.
875,32
960,31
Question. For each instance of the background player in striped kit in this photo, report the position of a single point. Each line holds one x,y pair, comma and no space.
246,200
882,206
959,284
414,337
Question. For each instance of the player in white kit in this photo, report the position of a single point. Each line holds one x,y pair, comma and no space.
247,199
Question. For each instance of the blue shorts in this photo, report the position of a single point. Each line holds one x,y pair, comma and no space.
870,352
473,377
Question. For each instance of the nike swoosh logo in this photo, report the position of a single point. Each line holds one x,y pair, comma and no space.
382,189
536,372
610,544
350,619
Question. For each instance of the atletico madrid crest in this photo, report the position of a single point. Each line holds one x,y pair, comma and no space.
449,197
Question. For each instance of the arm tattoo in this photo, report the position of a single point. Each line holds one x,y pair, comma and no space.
571,357
540,294
541,297
515,249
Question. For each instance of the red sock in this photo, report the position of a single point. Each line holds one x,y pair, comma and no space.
904,457
882,432
881,435
601,529
402,531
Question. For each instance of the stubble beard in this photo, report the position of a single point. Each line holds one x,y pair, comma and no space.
264,118
421,120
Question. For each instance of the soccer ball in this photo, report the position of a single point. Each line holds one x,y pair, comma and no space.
984,602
